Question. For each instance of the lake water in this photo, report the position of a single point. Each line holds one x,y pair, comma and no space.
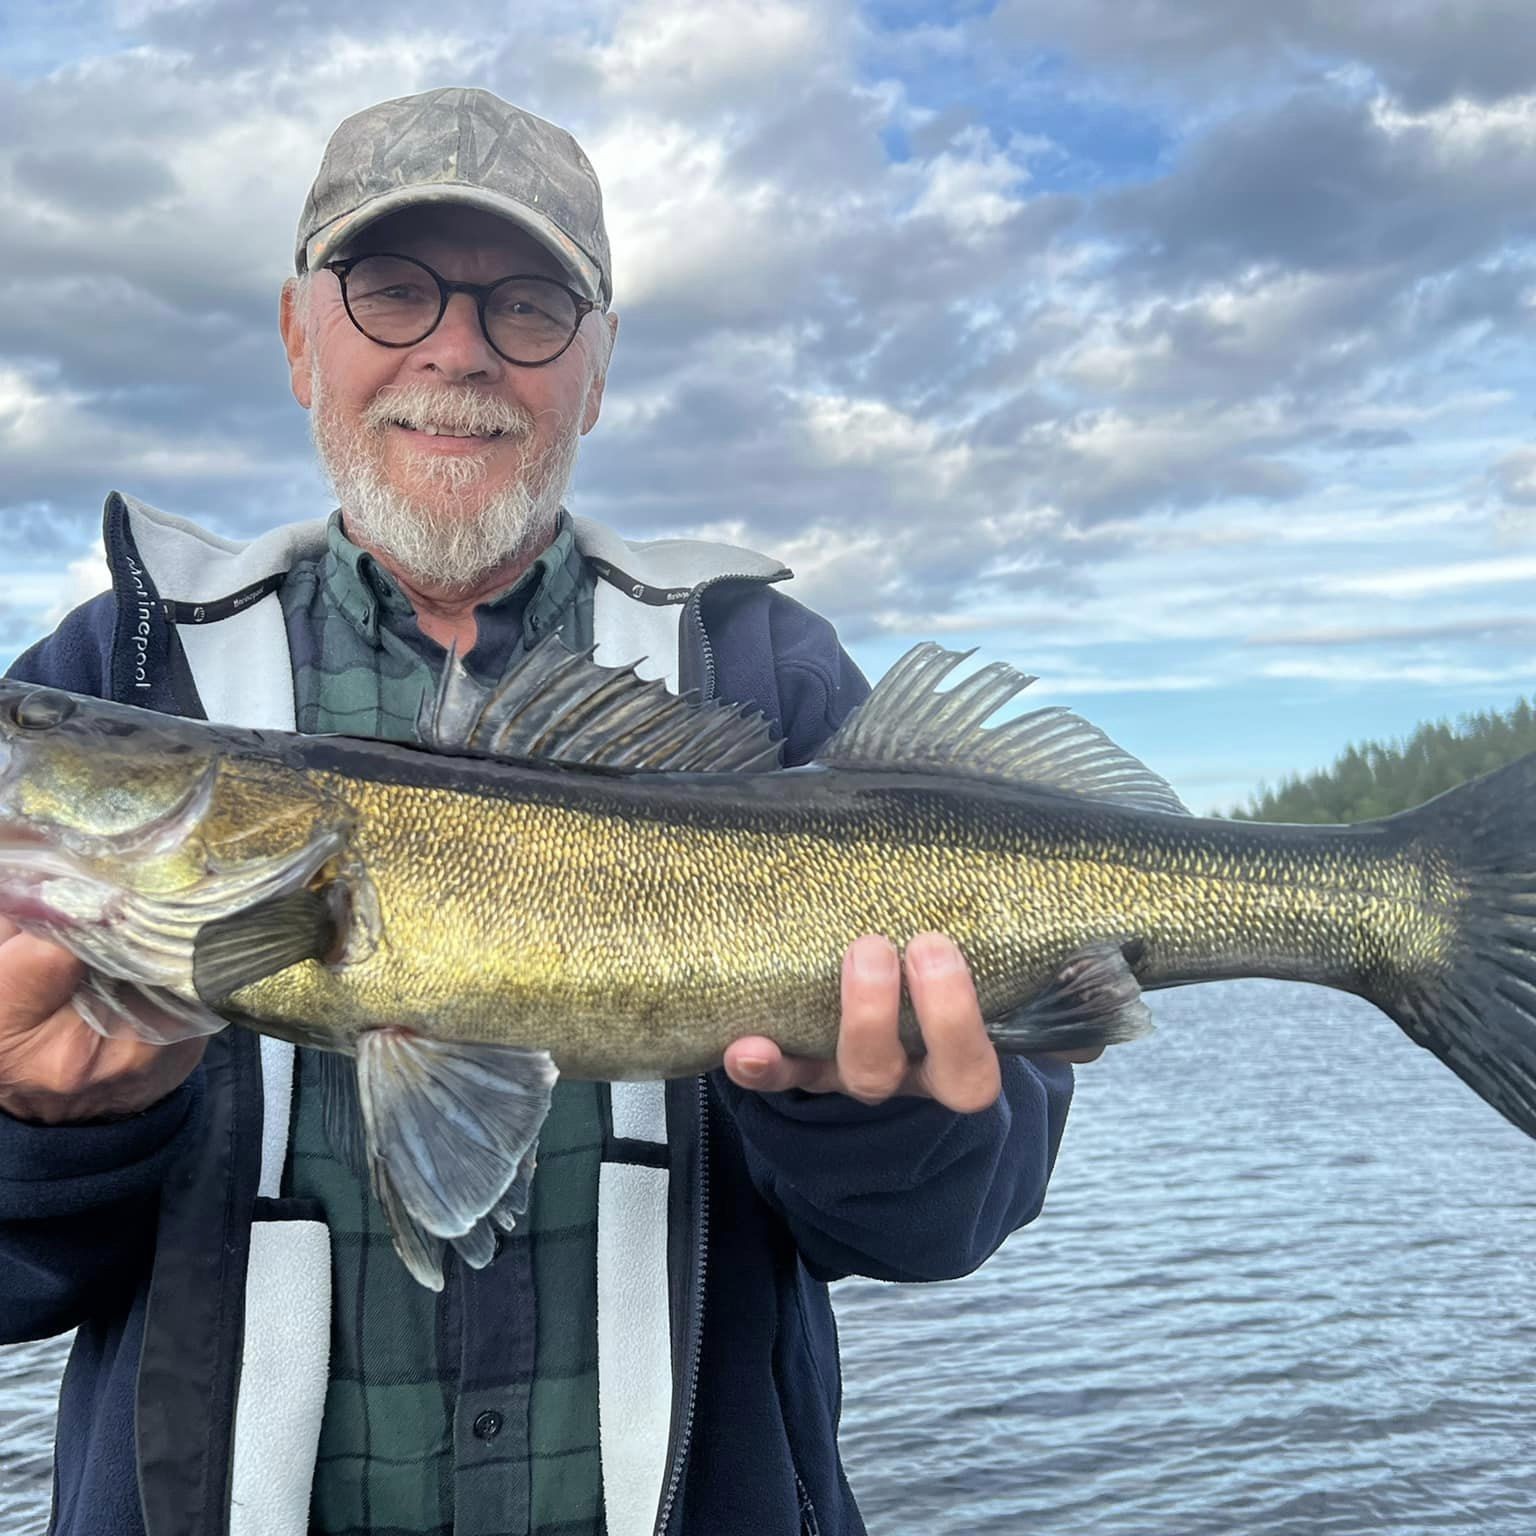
1281,1287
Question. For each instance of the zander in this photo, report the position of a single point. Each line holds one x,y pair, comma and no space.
581,873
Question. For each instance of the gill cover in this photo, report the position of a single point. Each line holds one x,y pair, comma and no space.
124,834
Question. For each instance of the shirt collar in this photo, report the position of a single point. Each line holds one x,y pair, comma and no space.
362,590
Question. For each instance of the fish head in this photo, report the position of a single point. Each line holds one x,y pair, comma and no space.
77,771
102,796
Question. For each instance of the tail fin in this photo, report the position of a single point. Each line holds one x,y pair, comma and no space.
1477,1010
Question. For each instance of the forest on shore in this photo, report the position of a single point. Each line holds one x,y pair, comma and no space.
1382,778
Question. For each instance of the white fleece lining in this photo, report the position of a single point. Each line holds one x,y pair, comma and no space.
190,565
643,633
633,633
634,1344
276,1103
672,564
639,1111
249,694
284,1369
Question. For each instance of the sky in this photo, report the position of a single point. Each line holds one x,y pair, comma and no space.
1176,351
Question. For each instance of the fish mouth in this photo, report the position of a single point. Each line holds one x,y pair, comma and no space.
42,887
16,833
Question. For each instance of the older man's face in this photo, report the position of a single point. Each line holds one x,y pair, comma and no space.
448,508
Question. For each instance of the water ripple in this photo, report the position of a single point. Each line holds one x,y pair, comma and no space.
1279,1289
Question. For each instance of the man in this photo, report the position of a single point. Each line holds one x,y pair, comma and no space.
653,1349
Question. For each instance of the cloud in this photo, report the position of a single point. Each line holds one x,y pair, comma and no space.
971,186
683,58
1210,323
1066,685
1515,477
1353,671
1492,626
1328,180
1113,462
84,577
1416,581
87,184
1426,51
42,427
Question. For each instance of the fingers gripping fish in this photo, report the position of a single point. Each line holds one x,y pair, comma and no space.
580,873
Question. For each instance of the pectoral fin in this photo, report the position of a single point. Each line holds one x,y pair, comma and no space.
450,1131
232,952
1093,1000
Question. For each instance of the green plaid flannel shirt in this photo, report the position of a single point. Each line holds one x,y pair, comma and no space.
472,1412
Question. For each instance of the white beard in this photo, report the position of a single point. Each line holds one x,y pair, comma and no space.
457,537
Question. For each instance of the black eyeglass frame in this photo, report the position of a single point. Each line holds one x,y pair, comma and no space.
446,288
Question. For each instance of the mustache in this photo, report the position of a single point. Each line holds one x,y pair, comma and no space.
457,410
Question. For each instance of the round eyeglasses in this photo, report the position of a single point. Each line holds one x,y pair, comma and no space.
398,301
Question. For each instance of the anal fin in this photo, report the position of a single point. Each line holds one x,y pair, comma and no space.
1093,1000
450,1130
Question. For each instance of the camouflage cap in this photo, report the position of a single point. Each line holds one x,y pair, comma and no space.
459,146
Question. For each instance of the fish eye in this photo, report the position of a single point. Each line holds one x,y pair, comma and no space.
42,710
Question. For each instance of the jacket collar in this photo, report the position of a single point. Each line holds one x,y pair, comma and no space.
188,564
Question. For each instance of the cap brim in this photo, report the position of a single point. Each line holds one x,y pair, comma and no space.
331,239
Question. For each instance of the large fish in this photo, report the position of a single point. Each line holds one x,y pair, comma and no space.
581,873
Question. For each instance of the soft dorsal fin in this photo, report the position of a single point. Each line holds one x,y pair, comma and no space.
564,707
907,722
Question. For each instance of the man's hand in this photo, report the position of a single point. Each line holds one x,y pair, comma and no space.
960,1069
54,1068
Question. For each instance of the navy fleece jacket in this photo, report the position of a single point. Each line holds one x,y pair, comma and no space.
803,1190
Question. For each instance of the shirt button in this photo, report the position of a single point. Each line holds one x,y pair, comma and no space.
487,1425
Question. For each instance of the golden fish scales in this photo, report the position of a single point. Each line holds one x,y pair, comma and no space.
631,943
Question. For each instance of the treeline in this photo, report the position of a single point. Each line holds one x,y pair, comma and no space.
1379,779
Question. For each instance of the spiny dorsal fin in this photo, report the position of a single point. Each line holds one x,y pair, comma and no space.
907,722
564,707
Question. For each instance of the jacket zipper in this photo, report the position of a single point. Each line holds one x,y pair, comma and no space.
701,1254
809,1526
696,1340
696,608
706,647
